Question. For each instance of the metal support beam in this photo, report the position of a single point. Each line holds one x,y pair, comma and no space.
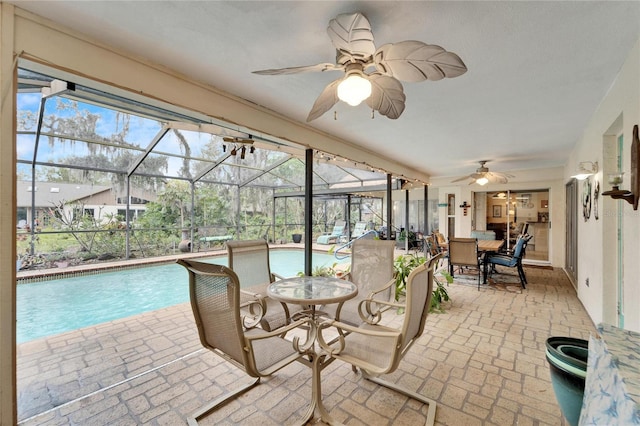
389,207
425,226
308,206
406,219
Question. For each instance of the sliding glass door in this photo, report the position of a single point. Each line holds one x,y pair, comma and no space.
511,213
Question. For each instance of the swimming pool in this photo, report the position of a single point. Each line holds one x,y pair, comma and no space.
51,307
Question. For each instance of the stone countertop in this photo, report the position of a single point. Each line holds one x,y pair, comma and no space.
624,346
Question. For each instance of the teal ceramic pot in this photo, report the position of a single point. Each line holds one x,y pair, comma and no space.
568,366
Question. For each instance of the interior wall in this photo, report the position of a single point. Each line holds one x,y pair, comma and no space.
622,101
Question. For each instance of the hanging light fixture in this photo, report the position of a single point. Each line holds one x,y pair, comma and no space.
482,181
243,151
354,88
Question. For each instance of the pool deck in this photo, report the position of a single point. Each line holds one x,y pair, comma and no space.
482,361
40,274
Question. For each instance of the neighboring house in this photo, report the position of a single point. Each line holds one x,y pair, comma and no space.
98,201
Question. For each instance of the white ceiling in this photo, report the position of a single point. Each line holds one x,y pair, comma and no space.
537,71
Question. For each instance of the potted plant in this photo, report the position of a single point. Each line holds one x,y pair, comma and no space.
297,236
402,237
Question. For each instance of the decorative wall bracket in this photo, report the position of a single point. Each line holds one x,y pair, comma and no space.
633,196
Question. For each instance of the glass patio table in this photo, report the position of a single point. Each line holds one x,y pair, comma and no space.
313,291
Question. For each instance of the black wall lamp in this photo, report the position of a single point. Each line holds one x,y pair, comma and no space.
615,179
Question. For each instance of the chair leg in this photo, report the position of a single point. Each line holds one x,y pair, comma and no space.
523,278
431,413
211,407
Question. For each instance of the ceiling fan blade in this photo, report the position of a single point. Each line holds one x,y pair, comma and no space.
461,179
495,177
414,61
387,96
351,33
325,101
296,70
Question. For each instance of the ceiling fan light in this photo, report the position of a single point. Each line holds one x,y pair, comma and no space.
482,181
354,89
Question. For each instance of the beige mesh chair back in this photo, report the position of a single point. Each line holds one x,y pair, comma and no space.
377,349
463,252
372,271
215,300
250,261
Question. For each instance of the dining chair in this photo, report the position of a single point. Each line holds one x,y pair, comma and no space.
463,252
372,272
249,259
214,291
377,349
513,260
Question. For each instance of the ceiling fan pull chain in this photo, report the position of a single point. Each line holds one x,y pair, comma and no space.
373,113
335,115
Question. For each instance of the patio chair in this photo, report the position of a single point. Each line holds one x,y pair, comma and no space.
378,349
372,272
249,259
332,238
463,252
215,300
358,230
513,260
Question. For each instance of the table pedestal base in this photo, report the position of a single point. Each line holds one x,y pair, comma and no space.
317,363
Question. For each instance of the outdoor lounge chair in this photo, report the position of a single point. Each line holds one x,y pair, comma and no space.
215,300
332,238
358,230
378,349
372,272
249,259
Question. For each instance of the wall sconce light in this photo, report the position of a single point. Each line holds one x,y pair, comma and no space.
464,206
586,169
615,179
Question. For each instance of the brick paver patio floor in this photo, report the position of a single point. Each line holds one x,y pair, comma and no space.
482,361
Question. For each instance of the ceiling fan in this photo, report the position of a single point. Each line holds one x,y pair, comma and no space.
483,176
374,74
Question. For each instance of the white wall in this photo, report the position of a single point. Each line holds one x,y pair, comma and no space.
597,255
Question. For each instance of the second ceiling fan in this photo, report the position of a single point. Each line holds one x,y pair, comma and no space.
483,176
373,74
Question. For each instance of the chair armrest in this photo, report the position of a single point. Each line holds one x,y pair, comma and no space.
370,309
257,305
275,276
381,289
392,342
277,332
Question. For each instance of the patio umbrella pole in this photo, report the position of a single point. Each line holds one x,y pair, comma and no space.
308,205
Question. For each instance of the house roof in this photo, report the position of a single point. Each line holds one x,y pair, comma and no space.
49,194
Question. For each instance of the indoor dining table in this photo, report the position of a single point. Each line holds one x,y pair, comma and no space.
313,292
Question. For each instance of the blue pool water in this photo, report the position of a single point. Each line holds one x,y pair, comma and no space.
52,307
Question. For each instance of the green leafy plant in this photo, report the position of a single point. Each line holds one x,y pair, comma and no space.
403,266
440,294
